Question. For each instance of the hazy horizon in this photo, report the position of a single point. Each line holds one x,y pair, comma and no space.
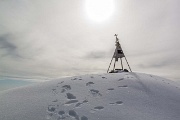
10,84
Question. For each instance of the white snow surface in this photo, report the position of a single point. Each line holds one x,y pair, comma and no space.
114,96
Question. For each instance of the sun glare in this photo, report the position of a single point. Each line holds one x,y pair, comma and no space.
99,10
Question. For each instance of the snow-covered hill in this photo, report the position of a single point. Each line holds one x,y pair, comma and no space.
115,96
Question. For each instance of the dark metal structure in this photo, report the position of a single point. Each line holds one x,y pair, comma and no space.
118,54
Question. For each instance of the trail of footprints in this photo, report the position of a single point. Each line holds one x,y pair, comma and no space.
53,110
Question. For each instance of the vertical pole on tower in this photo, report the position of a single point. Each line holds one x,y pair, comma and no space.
114,65
121,63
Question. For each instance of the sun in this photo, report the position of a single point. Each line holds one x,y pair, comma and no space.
99,10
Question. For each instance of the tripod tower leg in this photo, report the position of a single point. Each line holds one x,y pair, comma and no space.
128,64
109,65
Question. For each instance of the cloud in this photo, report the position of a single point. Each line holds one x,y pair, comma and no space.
163,59
96,55
10,49
157,64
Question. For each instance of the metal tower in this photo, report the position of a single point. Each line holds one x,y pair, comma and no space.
118,54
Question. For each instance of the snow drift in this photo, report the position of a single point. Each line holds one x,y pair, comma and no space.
115,96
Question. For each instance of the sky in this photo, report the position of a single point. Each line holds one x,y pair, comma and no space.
42,39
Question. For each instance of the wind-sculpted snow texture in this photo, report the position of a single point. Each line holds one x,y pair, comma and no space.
115,96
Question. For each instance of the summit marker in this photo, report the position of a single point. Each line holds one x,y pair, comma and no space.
118,54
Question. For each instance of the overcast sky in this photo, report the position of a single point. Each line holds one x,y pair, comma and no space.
41,39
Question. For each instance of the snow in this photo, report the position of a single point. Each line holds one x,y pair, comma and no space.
115,96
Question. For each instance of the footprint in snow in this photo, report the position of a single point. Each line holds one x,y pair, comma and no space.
50,111
74,78
78,104
98,108
71,102
117,103
61,112
89,83
70,96
85,101
65,88
109,89
81,103
61,115
123,86
95,92
73,114
121,79
51,108
61,82
92,77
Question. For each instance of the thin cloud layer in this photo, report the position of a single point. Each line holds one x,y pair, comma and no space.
47,39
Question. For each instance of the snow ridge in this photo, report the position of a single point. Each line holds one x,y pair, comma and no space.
112,96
